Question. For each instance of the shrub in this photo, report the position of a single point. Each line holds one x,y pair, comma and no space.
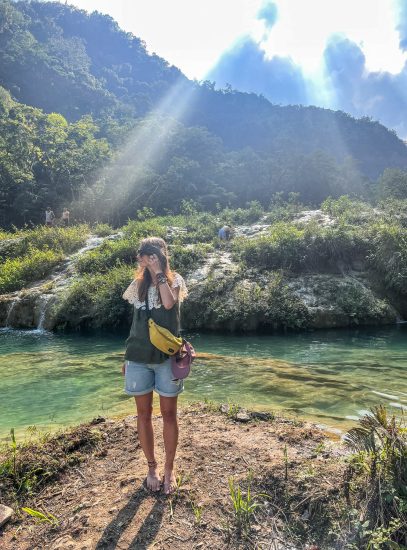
106,256
331,247
377,479
236,304
388,255
103,230
252,213
18,272
59,239
65,239
185,259
311,247
283,210
282,248
347,209
394,211
95,301
358,302
136,230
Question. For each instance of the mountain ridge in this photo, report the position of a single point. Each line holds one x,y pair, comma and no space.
83,88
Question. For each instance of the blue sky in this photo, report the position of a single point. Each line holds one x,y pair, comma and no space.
340,54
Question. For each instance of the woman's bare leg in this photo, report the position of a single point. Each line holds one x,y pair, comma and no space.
168,406
144,404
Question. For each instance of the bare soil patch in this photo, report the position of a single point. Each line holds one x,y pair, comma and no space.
97,493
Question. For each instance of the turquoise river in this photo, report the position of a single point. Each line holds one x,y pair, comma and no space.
331,377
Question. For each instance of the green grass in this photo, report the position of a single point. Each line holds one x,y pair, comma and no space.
296,248
388,255
244,507
17,273
377,480
27,466
95,301
59,239
107,256
103,230
31,255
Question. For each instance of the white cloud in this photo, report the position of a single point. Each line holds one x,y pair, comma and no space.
303,28
187,33
193,34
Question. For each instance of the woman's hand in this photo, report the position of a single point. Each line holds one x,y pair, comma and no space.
124,368
153,263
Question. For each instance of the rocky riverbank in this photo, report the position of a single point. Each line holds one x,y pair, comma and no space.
89,484
306,274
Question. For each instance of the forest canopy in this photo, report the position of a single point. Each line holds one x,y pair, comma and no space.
90,120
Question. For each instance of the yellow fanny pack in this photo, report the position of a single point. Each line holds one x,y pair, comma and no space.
163,339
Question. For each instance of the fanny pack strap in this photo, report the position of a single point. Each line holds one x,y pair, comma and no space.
147,307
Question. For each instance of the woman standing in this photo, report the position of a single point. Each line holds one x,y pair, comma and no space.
146,368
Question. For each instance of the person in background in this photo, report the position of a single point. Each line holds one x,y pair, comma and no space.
65,217
49,217
146,368
224,233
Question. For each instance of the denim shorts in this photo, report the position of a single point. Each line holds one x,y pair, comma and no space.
142,378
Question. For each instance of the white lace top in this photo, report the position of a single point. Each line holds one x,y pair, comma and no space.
131,293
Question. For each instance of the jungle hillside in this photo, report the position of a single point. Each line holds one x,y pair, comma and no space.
91,121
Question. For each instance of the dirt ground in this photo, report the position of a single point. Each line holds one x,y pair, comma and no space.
294,471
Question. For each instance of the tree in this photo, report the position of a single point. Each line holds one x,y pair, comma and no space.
393,183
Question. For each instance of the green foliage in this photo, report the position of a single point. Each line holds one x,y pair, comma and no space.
239,216
394,211
282,248
40,517
283,209
188,207
244,507
95,301
348,210
103,230
137,230
107,255
358,302
293,248
82,102
145,213
377,478
44,160
197,510
59,239
233,303
18,272
393,184
388,255
25,468
30,255
185,259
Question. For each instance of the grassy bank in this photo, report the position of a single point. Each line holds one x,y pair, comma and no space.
351,237
357,232
30,255
244,479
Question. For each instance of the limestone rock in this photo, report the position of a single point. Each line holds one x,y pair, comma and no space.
243,416
6,514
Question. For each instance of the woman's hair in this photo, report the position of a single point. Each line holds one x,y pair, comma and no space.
149,246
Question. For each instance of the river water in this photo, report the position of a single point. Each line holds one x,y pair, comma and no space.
332,377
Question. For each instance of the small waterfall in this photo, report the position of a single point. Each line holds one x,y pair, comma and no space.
43,304
10,313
